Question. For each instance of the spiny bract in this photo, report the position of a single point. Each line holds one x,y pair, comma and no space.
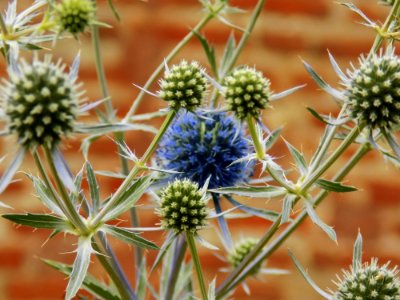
239,252
75,16
41,102
184,85
373,91
183,207
387,2
247,92
369,282
202,146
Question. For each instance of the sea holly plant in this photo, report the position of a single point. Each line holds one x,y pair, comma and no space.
211,151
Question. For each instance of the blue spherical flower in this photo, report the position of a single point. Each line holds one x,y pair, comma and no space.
204,145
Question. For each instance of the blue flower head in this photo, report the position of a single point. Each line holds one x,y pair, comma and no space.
204,145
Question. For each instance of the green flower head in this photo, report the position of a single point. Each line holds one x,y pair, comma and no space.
373,91
41,102
369,282
74,16
239,252
183,207
184,86
247,92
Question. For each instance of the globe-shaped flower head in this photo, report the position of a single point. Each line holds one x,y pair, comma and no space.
247,92
369,282
373,91
75,16
239,252
206,145
184,85
41,102
183,207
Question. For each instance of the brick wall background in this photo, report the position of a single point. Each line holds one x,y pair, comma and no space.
287,31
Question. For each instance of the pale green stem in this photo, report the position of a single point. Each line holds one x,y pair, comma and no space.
235,278
169,57
138,167
329,162
75,217
394,12
254,136
197,265
238,50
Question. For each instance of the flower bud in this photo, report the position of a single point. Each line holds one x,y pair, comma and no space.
239,252
75,16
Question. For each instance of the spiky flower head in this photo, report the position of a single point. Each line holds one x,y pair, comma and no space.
369,282
239,252
184,86
41,102
247,92
74,16
183,207
202,146
373,91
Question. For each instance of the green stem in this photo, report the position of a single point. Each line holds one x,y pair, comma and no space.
169,57
394,12
276,243
138,167
238,50
73,214
197,265
123,287
334,156
254,136
179,255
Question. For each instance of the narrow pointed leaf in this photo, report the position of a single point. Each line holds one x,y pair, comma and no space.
308,278
45,196
253,191
333,186
262,213
288,202
149,116
114,10
209,50
223,225
37,220
336,67
11,170
129,237
317,221
100,129
79,268
299,160
63,170
227,56
90,283
163,250
286,93
272,138
321,83
129,197
94,187
357,253
211,290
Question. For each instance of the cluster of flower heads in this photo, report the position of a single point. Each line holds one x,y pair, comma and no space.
206,145
41,102
239,252
247,92
183,207
373,91
184,85
369,282
75,16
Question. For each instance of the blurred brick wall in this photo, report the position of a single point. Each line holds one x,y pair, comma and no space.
287,31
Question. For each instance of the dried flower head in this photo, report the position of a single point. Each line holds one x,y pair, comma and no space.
239,252
247,92
202,146
41,102
183,207
184,85
369,282
373,91
74,16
